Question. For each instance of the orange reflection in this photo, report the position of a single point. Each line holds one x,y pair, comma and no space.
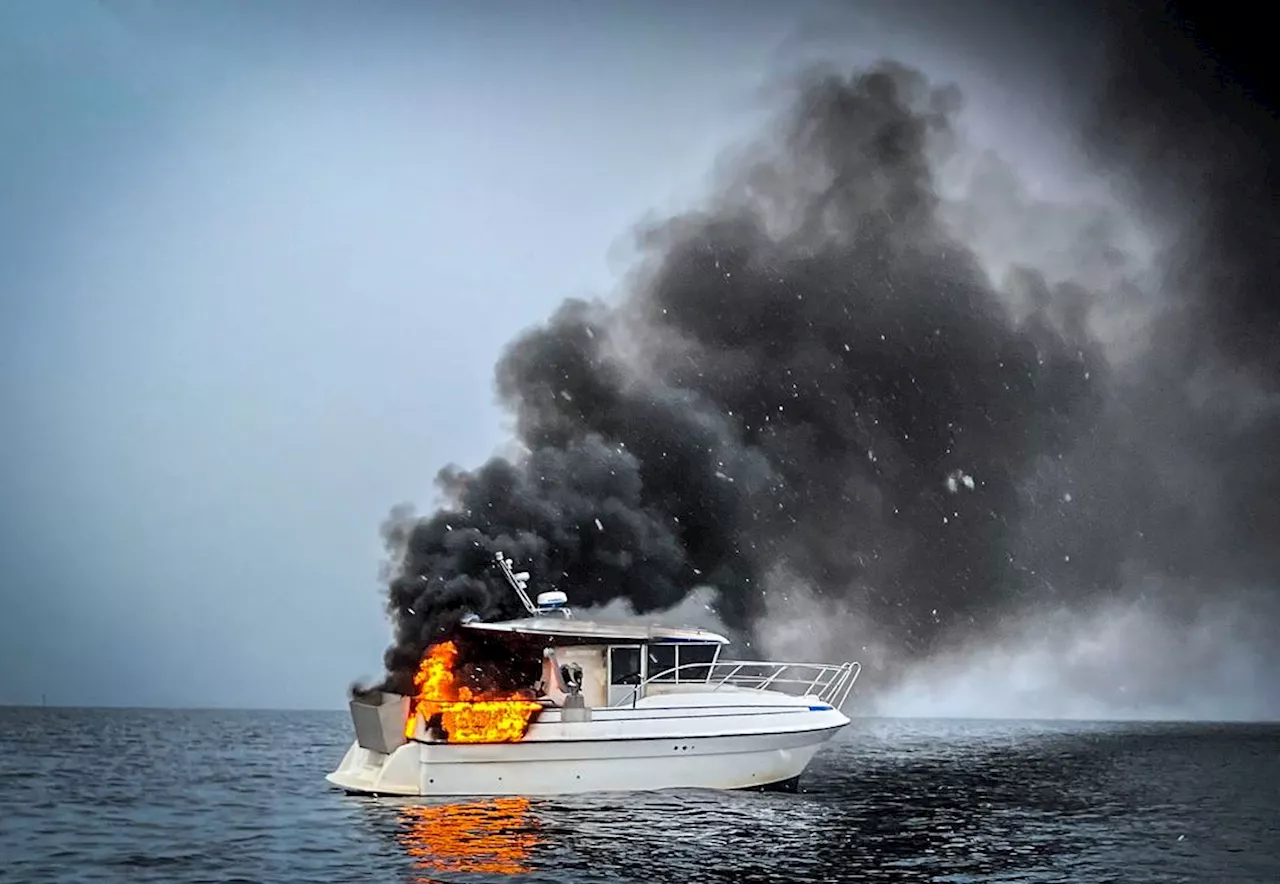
491,837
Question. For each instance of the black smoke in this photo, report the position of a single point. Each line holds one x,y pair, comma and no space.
814,371
810,371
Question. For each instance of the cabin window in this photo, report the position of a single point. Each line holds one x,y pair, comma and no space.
662,659
624,665
690,662
699,654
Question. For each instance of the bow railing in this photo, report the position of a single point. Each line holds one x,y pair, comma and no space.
830,683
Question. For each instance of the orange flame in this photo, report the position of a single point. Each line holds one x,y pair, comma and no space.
466,716
493,837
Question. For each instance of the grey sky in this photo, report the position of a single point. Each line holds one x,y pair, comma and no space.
256,265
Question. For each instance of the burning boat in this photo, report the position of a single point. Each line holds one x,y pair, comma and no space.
618,707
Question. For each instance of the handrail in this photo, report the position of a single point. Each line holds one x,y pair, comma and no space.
831,683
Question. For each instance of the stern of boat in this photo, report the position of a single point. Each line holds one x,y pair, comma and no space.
366,772
381,761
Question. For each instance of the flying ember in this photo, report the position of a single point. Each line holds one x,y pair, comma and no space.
465,715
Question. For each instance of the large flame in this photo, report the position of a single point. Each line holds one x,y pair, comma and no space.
466,716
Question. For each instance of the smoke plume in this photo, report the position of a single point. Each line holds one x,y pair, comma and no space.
816,385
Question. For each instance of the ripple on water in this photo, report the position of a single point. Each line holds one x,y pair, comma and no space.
142,795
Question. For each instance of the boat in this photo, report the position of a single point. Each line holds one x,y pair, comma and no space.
620,707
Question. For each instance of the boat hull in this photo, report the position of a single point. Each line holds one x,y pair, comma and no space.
766,751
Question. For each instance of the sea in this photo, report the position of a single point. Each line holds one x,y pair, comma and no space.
211,795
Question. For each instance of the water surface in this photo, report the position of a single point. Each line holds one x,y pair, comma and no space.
143,795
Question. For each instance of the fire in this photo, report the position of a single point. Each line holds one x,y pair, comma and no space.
466,716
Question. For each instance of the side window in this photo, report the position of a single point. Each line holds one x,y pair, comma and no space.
624,666
662,659
699,654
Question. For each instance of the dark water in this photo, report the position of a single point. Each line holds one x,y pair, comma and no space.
126,795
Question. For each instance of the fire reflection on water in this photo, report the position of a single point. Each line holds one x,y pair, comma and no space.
493,837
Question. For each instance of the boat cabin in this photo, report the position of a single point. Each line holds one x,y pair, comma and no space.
614,664
593,663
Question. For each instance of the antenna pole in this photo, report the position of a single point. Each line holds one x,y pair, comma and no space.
517,582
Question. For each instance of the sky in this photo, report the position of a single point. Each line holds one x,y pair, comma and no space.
257,265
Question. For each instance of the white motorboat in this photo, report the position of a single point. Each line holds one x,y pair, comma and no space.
620,707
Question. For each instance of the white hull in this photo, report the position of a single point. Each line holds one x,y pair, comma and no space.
707,741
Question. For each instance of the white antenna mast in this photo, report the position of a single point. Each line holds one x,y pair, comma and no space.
518,581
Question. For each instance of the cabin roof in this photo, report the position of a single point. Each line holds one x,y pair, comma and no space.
598,630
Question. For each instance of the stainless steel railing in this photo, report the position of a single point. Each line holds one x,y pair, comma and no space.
829,682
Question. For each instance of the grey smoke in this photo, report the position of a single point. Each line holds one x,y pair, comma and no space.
792,377
817,395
